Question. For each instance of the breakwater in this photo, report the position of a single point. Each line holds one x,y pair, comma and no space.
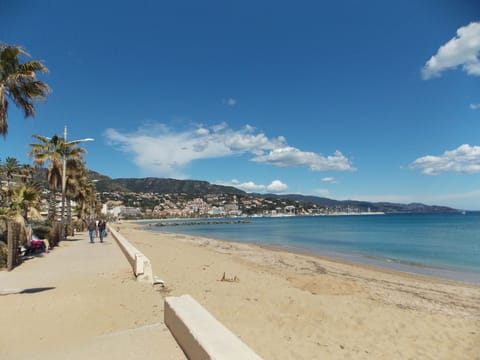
205,222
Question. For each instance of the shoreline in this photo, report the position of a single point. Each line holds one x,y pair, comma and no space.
303,306
381,263
427,271
371,265
340,258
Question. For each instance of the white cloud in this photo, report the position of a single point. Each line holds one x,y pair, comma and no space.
255,143
158,150
230,102
250,186
329,179
219,127
474,106
465,159
276,186
289,156
462,50
202,131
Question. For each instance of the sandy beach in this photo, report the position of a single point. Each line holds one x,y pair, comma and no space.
293,306
81,301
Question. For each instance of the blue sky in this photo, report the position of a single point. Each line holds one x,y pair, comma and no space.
365,100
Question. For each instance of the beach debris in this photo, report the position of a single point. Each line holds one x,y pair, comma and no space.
231,279
157,281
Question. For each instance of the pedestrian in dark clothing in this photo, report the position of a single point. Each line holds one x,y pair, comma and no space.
102,225
91,230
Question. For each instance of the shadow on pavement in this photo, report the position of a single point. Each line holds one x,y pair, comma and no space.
72,239
36,290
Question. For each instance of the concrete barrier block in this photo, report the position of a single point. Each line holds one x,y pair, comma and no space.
141,266
200,335
147,274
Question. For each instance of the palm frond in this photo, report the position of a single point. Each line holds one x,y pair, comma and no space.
33,66
18,83
3,113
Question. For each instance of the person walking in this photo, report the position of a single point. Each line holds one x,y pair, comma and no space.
102,224
96,227
91,230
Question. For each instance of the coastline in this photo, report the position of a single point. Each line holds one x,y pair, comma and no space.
292,305
414,267
426,271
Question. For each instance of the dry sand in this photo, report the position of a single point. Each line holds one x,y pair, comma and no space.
292,306
82,302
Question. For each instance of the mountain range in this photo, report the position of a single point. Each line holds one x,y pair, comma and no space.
200,188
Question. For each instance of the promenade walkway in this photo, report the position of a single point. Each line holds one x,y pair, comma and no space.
81,301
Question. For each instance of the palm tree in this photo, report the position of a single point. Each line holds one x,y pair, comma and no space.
86,198
55,151
89,203
19,83
49,150
23,197
25,172
76,171
10,168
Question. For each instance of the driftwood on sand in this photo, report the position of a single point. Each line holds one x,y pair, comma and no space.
231,279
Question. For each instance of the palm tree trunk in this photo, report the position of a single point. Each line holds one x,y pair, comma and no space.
69,217
62,216
52,208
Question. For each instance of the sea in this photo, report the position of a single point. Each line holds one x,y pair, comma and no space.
444,246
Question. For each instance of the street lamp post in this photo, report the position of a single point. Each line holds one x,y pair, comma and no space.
64,176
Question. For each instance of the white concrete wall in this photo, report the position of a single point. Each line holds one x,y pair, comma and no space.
200,335
141,266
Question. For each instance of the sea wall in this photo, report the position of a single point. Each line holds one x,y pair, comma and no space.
200,335
141,265
197,332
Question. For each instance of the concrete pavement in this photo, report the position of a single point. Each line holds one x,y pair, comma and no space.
81,301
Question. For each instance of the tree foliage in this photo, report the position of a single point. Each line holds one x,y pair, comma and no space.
18,83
